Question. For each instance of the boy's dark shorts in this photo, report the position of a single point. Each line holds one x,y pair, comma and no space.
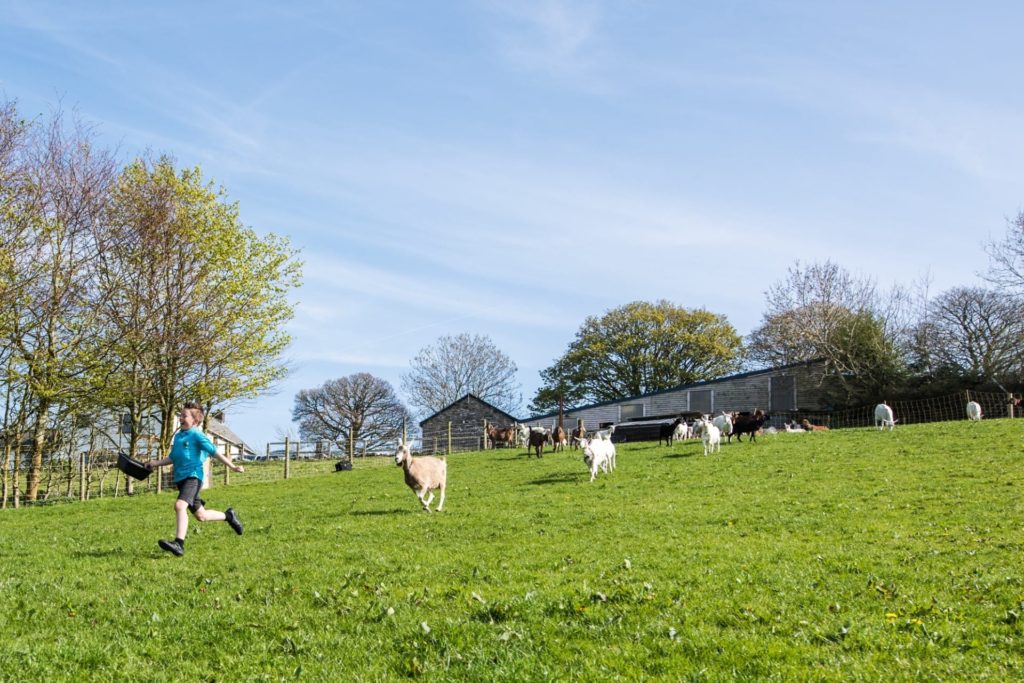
188,491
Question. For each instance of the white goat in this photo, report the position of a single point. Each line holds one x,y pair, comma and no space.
423,475
605,434
883,417
598,454
711,436
724,424
794,427
681,432
973,410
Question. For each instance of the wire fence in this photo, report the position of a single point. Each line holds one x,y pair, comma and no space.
937,409
94,474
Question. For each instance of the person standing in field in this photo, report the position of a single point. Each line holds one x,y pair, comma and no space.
189,451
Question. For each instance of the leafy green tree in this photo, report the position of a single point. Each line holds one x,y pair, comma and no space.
204,301
639,348
359,407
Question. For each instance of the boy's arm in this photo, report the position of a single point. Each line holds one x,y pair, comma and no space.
153,464
229,463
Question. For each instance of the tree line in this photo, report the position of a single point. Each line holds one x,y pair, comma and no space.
895,343
126,289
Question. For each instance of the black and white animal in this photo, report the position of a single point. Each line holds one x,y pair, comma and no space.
670,432
535,441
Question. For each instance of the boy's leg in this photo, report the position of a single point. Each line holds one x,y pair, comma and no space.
230,516
204,515
181,518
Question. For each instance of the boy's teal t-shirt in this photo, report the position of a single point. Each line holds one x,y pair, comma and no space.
188,453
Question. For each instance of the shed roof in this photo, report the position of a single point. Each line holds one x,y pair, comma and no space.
467,397
222,431
681,387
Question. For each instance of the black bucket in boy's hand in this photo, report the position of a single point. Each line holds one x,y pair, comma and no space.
133,468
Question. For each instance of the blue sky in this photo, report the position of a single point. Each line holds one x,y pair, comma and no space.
509,168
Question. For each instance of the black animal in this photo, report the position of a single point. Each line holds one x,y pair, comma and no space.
666,432
748,424
536,442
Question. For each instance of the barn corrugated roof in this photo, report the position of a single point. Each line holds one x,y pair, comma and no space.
681,387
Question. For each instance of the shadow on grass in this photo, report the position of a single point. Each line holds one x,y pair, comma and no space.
378,513
682,455
560,478
113,552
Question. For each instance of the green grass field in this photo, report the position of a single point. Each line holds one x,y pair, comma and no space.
852,555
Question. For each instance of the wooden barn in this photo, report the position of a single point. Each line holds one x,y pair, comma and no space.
781,391
466,416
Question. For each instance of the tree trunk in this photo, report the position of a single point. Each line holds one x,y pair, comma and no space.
35,469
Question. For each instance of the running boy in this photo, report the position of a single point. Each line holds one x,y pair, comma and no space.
189,451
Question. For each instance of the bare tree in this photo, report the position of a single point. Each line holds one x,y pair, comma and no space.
1006,256
56,336
464,364
977,334
359,407
823,312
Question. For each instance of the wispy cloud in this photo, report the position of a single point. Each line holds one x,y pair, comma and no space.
553,36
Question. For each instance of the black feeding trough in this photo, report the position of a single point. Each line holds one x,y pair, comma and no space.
133,468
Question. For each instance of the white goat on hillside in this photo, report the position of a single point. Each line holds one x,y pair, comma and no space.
973,410
883,417
423,475
711,436
599,454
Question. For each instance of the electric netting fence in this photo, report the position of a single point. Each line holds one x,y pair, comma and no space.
916,411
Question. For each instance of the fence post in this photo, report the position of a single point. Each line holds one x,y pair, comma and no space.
1009,405
287,448
435,444
351,445
81,476
485,436
449,437
227,470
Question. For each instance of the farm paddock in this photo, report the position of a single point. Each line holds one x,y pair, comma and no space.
844,555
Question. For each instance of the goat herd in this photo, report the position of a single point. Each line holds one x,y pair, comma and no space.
427,474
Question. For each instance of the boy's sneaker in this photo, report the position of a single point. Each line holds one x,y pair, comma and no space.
232,519
172,547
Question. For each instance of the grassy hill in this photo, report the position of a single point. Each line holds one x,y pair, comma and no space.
836,556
